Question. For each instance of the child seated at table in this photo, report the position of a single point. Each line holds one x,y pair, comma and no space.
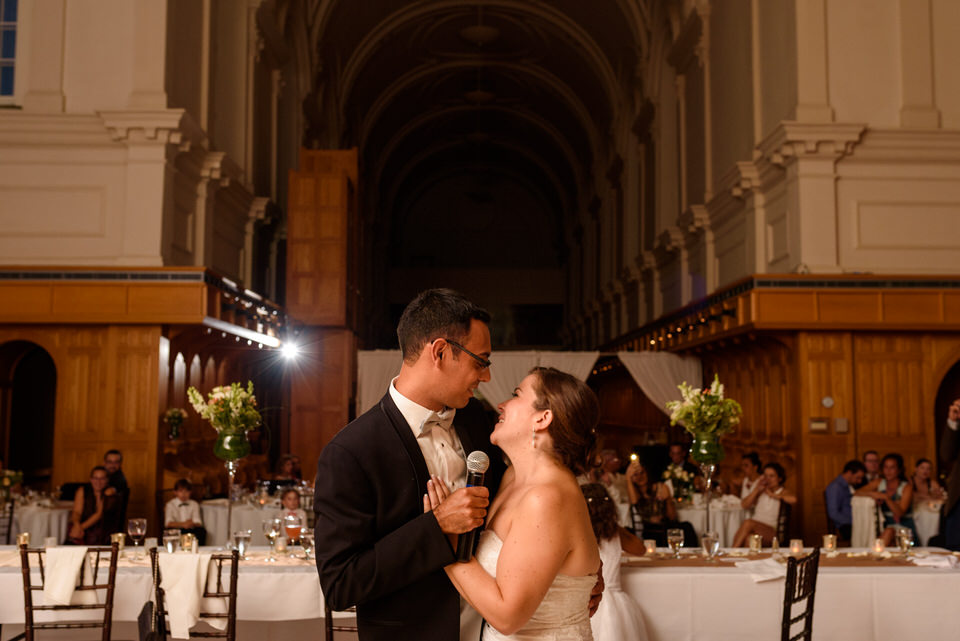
290,499
618,616
184,513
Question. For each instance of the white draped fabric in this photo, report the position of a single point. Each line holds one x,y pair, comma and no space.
579,364
375,369
507,371
658,374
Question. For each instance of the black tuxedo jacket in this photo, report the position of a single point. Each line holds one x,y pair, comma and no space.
376,548
950,455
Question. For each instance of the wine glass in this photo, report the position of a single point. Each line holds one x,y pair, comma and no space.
710,542
306,540
137,528
905,540
292,524
271,530
675,540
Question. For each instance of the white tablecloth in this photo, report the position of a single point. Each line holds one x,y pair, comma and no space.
725,520
245,517
42,522
722,603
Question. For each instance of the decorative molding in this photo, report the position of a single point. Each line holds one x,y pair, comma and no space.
694,220
160,126
793,140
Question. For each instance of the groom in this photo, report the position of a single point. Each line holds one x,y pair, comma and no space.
376,548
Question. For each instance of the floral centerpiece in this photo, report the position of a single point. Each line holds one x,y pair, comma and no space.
9,479
707,415
174,418
232,411
680,479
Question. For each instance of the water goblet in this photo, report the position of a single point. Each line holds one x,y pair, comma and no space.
710,541
756,543
675,541
905,540
271,530
170,539
137,528
306,541
241,541
292,524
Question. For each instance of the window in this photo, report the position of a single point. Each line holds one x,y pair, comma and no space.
8,46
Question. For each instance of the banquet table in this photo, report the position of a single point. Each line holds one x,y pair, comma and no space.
725,519
43,522
877,601
274,600
245,517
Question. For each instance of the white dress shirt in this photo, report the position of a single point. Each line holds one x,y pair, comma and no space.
439,444
178,511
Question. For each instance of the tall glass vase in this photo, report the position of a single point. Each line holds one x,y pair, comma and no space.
231,446
707,451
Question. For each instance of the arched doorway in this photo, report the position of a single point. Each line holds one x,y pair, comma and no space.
948,392
28,391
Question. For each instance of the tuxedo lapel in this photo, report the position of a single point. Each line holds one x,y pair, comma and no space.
410,445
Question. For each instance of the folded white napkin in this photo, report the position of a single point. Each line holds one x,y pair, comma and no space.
182,577
62,572
764,569
936,561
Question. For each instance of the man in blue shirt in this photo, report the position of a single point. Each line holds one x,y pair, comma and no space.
838,495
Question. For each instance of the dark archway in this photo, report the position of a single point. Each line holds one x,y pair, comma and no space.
28,392
948,392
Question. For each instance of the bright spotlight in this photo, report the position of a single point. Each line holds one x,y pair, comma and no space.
290,351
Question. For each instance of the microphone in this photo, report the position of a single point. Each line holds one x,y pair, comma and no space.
477,464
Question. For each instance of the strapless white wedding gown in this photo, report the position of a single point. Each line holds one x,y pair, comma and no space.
561,616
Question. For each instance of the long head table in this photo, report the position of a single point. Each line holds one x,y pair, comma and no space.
858,598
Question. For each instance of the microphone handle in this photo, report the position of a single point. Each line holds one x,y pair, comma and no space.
466,541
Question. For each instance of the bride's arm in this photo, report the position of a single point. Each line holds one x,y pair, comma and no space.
531,557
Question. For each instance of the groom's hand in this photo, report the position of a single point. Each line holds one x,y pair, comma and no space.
463,510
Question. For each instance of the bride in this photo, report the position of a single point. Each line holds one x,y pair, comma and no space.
537,559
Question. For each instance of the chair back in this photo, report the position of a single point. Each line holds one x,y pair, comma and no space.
801,584
220,586
329,627
783,522
6,520
94,578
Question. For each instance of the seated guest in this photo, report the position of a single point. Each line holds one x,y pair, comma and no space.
96,513
116,481
871,461
750,466
894,495
286,469
765,501
838,495
654,505
925,487
184,513
290,499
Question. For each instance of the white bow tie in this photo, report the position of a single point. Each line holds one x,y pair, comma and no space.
442,419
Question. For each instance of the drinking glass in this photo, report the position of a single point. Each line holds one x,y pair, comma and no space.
170,540
292,524
675,540
271,530
306,541
241,541
905,540
756,543
710,541
137,528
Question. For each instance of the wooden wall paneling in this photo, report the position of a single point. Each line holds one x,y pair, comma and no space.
891,395
824,368
320,391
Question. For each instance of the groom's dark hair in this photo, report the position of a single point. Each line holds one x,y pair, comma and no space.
433,314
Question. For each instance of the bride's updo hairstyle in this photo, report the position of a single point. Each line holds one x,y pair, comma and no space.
576,413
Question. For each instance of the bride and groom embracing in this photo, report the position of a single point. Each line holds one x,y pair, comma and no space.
391,497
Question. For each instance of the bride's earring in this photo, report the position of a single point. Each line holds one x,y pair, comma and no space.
533,438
